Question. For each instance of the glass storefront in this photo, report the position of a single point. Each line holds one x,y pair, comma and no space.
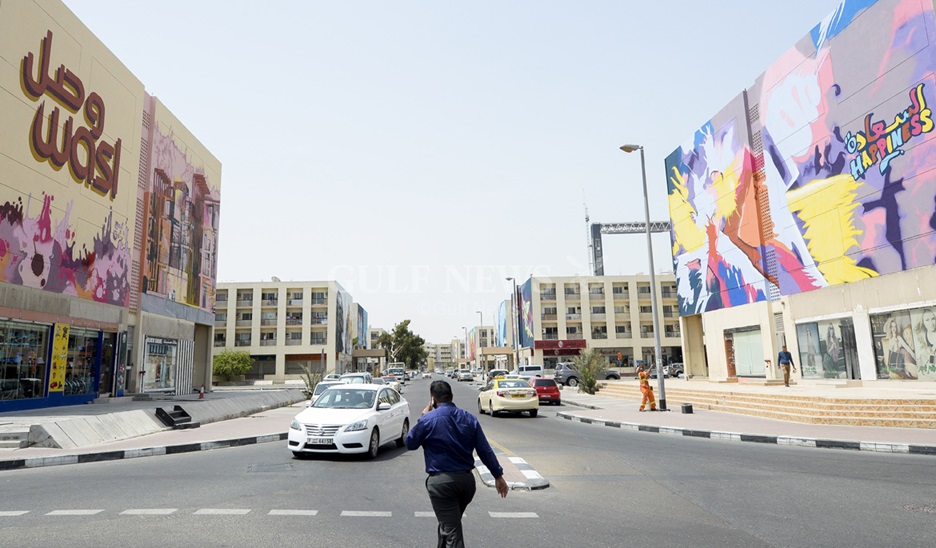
82,361
159,364
905,344
23,355
827,349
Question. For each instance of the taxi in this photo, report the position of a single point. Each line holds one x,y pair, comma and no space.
511,395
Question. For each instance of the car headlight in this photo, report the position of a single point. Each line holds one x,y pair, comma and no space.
355,426
294,425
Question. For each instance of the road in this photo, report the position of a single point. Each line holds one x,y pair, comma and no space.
608,488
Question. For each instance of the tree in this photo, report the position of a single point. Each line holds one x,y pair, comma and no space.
403,345
231,363
590,364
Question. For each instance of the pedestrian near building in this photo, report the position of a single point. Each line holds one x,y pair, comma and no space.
785,361
449,436
645,389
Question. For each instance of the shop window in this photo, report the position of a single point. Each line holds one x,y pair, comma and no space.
82,361
22,360
159,364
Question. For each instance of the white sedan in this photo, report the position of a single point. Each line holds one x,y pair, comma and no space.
350,418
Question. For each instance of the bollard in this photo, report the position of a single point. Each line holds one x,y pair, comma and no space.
687,408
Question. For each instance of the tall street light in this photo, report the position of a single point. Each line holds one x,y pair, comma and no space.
513,320
653,289
480,329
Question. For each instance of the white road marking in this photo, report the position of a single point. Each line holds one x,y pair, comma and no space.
516,460
74,512
13,512
425,514
222,511
149,511
513,514
293,512
357,514
531,474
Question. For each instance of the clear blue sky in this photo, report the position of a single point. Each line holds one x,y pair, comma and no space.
419,152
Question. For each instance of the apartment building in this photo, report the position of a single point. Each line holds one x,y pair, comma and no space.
560,316
286,326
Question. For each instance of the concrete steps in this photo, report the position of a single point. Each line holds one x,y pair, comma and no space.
14,440
908,413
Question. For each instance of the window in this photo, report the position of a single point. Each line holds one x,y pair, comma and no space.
221,297
622,329
618,289
268,296
295,336
220,316
574,290
549,310
246,316
598,310
646,309
621,309
643,289
572,330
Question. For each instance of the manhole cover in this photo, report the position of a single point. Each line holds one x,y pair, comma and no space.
285,467
924,508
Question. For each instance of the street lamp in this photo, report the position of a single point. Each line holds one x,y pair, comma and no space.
653,289
513,320
480,329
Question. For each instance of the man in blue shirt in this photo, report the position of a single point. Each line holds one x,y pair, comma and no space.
449,436
785,361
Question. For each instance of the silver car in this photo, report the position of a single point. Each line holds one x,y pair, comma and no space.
465,375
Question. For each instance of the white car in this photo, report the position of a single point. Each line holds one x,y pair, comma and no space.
426,375
321,387
350,418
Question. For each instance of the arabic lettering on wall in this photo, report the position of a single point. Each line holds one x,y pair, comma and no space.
881,143
91,160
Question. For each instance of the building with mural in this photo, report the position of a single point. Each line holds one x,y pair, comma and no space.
84,148
289,327
804,211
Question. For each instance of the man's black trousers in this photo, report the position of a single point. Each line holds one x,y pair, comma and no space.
450,493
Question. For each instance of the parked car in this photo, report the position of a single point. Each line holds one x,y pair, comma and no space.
331,377
528,371
567,374
426,375
350,418
320,387
465,375
356,378
510,395
676,370
547,390
496,373
398,372
393,382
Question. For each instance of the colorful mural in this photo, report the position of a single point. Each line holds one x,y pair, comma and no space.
181,216
525,296
833,182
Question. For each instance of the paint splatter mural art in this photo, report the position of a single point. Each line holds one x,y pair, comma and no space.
38,251
821,172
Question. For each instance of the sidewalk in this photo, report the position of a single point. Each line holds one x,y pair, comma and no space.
621,413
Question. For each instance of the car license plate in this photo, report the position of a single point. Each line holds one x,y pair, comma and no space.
320,441
519,395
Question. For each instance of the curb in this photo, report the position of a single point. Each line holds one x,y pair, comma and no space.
794,441
534,480
39,462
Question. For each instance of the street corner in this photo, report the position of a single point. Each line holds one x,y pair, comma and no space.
519,474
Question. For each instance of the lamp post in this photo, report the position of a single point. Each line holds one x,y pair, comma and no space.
513,320
478,335
653,289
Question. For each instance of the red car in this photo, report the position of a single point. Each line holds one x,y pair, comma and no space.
547,390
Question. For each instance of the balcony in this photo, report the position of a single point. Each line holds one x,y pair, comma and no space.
574,336
293,342
596,296
668,294
646,315
269,302
293,321
319,301
573,296
241,342
598,315
319,321
245,304
646,335
551,337
318,341
294,302
670,314
621,296
243,323
268,322
597,335
548,296
268,342
220,323
627,335
574,317
672,334
548,317
220,344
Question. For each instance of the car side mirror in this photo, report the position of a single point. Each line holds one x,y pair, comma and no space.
383,406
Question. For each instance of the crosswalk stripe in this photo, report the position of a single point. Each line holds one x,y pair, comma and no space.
513,514
425,514
222,511
358,514
13,512
74,512
293,512
149,511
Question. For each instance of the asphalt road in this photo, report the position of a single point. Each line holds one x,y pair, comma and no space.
608,488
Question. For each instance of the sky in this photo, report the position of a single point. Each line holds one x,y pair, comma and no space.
421,152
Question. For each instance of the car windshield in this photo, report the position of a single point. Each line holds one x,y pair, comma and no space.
346,398
544,382
378,380
513,384
390,378
353,379
320,387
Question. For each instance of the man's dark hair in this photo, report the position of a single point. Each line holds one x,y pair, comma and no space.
441,391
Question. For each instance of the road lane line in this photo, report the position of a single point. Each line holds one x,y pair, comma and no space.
360,514
222,511
508,452
425,514
13,513
149,511
74,512
293,513
513,515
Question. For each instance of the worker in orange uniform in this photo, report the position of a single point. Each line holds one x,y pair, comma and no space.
645,389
